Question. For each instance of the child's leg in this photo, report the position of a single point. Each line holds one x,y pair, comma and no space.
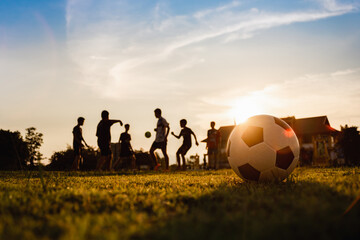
153,157
163,149
133,162
81,162
178,157
75,163
184,162
101,162
109,160
116,163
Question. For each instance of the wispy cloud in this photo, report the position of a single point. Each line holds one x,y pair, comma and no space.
203,13
121,50
333,5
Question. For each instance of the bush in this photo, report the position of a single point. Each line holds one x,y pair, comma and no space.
63,160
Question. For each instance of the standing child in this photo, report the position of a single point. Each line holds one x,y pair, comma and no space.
78,143
184,148
126,157
212,145
104,140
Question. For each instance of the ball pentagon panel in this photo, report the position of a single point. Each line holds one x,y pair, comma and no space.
284,158
249,173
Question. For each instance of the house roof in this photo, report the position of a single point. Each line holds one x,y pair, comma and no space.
313,125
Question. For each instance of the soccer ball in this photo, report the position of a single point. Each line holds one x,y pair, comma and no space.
263,149
147,134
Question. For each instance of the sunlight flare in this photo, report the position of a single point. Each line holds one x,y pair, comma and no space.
247,106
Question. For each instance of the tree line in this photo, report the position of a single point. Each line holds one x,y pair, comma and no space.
20,153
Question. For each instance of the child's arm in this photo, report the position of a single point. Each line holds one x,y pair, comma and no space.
196,142
82,140
85,143
131,149
172,133
112,121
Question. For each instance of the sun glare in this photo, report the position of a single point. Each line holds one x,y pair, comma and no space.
245,107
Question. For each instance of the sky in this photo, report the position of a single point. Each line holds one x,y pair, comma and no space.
204,60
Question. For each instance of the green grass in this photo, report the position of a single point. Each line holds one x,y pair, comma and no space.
184,205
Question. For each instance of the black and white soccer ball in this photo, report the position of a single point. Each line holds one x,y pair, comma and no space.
263,149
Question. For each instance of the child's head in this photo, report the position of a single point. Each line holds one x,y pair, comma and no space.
105,115
127,127
157,112
183,123
80,120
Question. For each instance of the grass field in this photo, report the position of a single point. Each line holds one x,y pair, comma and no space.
181,205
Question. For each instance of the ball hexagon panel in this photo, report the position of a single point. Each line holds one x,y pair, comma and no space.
253,135
249,172
262,157
277,137
284,158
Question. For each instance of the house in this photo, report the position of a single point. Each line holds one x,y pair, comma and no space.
316,138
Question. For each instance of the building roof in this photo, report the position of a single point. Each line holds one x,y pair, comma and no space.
313,125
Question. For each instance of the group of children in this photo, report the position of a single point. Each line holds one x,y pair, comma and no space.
126,152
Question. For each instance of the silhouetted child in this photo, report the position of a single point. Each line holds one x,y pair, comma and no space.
184,148
213,139
78,143
162,131
126,152
104,139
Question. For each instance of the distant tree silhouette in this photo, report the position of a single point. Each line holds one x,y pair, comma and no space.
349,142
63,160
13,150
34,140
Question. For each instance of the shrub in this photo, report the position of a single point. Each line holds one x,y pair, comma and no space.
63,160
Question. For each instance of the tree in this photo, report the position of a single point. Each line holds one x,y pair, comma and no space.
34,140
349,142
13,150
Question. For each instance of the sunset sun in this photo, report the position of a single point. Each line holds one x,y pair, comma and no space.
245,107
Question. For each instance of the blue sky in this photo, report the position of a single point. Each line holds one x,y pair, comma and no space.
23,20
199,60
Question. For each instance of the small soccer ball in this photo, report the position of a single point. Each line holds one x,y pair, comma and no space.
147,134
263,149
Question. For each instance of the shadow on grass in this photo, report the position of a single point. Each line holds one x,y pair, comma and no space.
302,210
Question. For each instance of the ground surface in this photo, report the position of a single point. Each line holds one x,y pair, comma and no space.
182,205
